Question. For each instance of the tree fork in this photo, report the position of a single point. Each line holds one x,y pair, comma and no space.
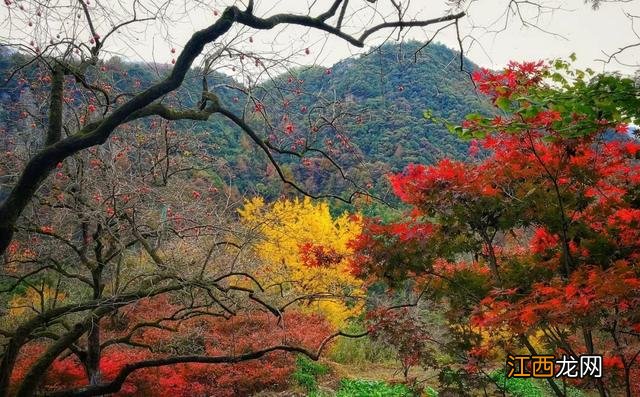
40,166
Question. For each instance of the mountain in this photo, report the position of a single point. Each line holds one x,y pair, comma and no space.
382,95
396,89
387,92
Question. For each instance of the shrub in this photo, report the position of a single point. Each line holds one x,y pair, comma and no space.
360,350
371,388
240,333
522,387
307,371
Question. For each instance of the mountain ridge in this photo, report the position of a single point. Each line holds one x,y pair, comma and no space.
385,132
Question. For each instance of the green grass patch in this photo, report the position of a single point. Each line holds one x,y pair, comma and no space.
371,388
360,350
526,387
307,372
430,392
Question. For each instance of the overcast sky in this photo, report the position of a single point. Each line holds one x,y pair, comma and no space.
564,27
567,26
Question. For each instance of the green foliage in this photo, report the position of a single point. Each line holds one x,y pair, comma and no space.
517,387
359,350
430,392
597,98
307,372
524,387
567,91
371,388
385,93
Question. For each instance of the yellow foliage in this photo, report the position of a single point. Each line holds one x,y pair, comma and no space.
34,301
502,340
284,227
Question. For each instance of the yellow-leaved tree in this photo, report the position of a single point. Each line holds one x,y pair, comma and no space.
35,300
305,253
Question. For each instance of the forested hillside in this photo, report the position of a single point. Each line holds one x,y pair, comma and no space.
383,93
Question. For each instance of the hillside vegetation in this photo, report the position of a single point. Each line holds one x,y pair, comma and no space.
383,93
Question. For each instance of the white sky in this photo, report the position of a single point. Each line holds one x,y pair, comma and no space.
575,27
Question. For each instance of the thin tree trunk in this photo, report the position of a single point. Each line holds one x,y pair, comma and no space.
588,341
532,350
94,353
93,336
36,373
493,260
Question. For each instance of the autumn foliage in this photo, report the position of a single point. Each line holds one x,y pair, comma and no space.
307,251
535,240
210,336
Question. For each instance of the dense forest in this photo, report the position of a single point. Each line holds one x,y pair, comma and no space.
383,115
241,220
